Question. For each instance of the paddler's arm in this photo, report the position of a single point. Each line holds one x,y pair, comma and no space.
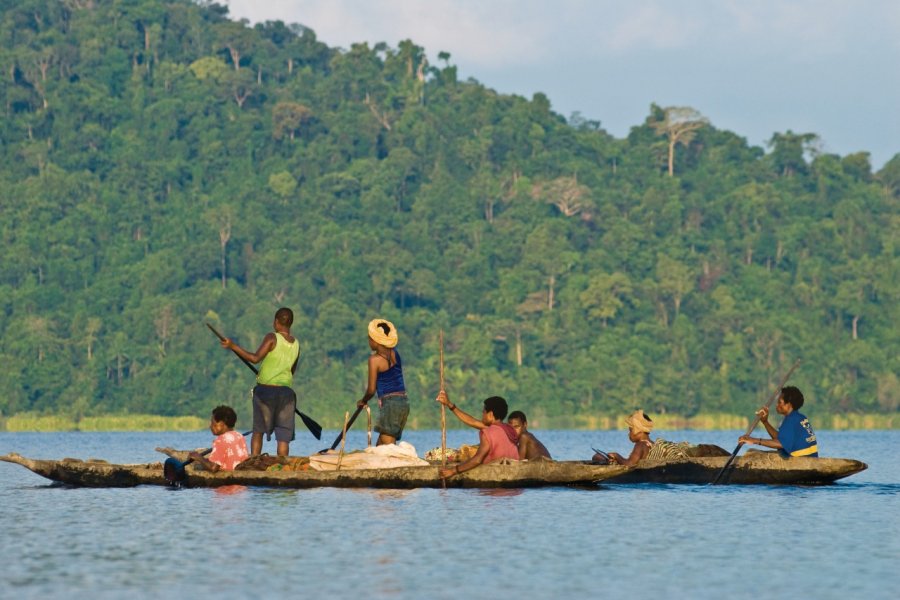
774,444
375,367
483,449
265,347
763,414
460,413
640,450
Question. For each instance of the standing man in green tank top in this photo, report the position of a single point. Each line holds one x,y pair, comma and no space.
274,401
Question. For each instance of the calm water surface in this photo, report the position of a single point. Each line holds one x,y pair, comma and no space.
838,541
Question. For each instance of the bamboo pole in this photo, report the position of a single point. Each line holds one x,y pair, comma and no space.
443,410
343,440
369,426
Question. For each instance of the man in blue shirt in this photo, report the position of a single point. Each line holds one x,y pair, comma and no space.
795,437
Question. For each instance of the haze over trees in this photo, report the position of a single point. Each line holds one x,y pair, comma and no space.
163,166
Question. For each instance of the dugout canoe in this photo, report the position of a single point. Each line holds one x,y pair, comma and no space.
514,474
752,468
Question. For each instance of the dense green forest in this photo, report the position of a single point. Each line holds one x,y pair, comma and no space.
164,166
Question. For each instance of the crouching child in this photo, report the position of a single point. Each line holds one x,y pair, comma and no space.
229,447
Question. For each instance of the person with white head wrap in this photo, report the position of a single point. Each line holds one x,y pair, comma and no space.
383,333
386,380
639,422
639,427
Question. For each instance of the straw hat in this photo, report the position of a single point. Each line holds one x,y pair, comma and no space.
377,333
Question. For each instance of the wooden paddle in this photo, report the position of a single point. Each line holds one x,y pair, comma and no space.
340,436
755,422
314,428
603,455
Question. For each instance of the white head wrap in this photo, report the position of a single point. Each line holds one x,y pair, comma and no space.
377,333
639,422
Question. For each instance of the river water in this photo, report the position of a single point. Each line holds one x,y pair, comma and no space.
838,541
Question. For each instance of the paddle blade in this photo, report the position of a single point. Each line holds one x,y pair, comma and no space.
314,428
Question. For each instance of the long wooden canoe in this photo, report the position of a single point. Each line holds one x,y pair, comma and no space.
95,473
766,468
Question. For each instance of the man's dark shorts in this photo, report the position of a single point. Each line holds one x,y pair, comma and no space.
273,411
392,417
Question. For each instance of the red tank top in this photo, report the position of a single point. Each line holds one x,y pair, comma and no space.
501,444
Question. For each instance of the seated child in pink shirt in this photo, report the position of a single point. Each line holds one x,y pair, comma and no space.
229,448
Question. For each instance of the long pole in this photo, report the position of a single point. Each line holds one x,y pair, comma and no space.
756,422
443,410
343,440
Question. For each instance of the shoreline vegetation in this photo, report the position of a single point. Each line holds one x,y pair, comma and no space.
30,422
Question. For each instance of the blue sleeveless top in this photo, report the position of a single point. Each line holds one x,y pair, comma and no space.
391,381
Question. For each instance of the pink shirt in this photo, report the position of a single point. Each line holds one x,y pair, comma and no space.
501,444
228,450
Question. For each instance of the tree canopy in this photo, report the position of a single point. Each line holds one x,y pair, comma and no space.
164,166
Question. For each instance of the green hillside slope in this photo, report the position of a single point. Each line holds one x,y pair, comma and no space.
163,166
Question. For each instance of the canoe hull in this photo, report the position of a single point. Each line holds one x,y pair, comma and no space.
511,475
753,468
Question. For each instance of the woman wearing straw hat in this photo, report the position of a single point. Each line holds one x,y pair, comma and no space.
386,379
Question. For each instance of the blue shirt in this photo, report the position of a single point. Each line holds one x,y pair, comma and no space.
390,381
797,437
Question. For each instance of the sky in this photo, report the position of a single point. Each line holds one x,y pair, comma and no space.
754,67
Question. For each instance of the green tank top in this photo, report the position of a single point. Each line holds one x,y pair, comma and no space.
275,368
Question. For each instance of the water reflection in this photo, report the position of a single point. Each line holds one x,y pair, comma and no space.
230,490
500,492
386,494
278,496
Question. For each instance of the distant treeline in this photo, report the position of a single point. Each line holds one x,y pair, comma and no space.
162,166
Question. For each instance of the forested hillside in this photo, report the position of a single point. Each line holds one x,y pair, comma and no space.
164,166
